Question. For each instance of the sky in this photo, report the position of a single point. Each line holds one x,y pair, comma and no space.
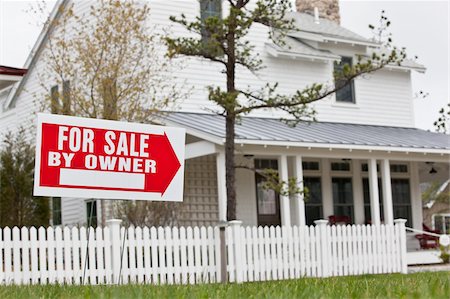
421,26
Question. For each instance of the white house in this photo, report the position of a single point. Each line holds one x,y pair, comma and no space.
363,161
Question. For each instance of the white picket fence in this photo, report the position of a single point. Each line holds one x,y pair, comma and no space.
190,255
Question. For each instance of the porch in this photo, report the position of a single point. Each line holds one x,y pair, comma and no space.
362,174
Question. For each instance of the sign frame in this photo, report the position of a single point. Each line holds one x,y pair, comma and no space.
176,138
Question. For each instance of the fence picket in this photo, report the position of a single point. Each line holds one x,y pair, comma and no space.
33,255
190,255
247,248
139,255
211,260
26,255
67,270
17,277
77,265
59,255
154,254
147,257
204,255
176,255
273,250
162,256
99,255
169,257
267,253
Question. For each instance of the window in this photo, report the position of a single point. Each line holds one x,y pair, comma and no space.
365,167
66,98
366,195
91,213
347,93
313,199
56,211
340,166
54,100
399,168
267,200
343,197
310,165
208,9
401,199
56,106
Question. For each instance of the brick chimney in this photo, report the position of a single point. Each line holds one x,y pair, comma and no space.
328,9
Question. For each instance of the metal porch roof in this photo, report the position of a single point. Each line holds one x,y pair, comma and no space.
320,133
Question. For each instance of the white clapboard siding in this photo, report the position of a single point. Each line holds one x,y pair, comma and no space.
191,255
383,98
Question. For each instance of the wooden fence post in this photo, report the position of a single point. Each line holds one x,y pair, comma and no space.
222,273
402,239
236,233
116,243
324,261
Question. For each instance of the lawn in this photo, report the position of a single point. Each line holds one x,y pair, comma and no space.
419,285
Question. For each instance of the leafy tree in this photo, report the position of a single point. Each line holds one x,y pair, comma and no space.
443,122
227,45
18,206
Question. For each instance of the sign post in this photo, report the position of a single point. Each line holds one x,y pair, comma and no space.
92,158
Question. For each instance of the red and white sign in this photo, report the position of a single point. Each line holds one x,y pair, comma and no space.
92,158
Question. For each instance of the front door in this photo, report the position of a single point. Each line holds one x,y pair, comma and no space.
267,200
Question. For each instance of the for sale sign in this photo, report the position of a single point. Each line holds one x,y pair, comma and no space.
92,158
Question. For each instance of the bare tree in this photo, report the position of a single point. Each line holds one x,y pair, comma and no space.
108,64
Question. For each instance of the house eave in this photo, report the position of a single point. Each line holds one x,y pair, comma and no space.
285,54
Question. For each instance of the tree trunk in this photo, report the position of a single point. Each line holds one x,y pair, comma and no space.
230,120
229,168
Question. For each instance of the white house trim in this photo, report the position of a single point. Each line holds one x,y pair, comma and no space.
387,192
221,186
373,187
284,199
299,203
199,148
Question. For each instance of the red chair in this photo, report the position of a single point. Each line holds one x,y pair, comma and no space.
427,241
339,219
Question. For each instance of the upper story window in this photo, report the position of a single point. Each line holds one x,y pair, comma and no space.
340,166
60,105
399,168
347,93
209,8
310,165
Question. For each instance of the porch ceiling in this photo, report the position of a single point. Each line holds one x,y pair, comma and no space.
270,131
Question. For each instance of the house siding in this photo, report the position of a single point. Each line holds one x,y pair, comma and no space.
383,98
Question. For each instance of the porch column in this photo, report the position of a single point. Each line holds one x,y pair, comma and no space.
284,200
299,202
387,192
374,198
221,186
358,194
416,197
327,189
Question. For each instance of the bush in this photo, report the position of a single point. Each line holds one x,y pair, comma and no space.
18,206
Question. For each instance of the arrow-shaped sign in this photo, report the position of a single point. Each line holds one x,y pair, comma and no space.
102,157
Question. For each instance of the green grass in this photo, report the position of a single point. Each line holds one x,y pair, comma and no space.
419,285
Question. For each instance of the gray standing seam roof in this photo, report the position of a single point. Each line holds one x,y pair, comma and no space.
271,129
305,22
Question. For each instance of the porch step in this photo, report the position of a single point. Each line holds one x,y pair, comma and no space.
423,257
